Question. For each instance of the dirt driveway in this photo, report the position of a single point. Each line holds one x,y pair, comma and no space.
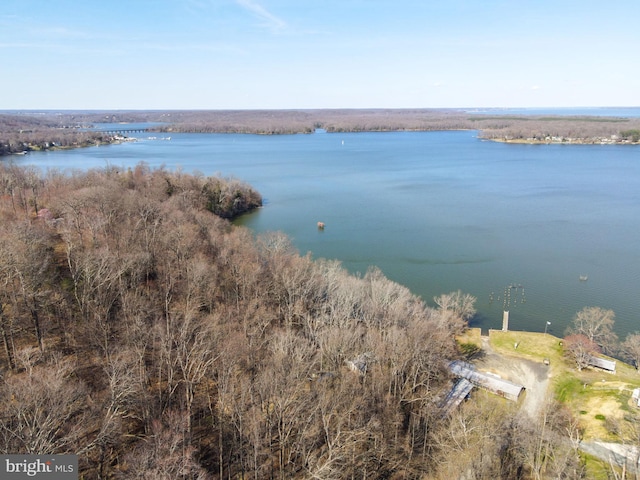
533,375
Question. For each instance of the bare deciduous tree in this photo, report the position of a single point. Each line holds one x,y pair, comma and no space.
6,331
631,348
26,270
163,455
456,308
42,411
580,349
596,324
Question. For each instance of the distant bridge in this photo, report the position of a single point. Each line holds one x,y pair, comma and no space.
124,131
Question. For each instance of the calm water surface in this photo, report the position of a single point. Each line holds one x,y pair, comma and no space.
436,211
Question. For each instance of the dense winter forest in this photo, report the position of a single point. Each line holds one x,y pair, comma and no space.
143,332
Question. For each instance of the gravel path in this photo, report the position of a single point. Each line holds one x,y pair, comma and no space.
533,375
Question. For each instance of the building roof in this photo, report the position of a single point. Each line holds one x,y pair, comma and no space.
603,363
458,393
490,382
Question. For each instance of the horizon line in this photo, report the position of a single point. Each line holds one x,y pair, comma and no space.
284,109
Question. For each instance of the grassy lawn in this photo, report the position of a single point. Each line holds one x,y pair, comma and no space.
596,468
596,398
530,345
471,336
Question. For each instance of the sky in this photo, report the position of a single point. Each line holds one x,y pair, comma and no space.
299,54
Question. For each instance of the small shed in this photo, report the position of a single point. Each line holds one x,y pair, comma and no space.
499,386
603,364
636,396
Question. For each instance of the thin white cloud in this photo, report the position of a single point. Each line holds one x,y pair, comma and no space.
536,87
270,20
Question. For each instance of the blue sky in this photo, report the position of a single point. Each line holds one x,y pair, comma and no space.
221,54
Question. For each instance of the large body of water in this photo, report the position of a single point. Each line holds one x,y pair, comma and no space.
436,211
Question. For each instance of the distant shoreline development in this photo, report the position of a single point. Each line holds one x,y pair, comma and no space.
30,130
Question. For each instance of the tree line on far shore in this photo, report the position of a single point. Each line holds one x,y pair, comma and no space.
143,332
24,131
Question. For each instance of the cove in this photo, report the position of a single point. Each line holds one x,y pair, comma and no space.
514,225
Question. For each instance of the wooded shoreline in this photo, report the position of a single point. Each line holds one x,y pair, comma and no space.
143,332
29,131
